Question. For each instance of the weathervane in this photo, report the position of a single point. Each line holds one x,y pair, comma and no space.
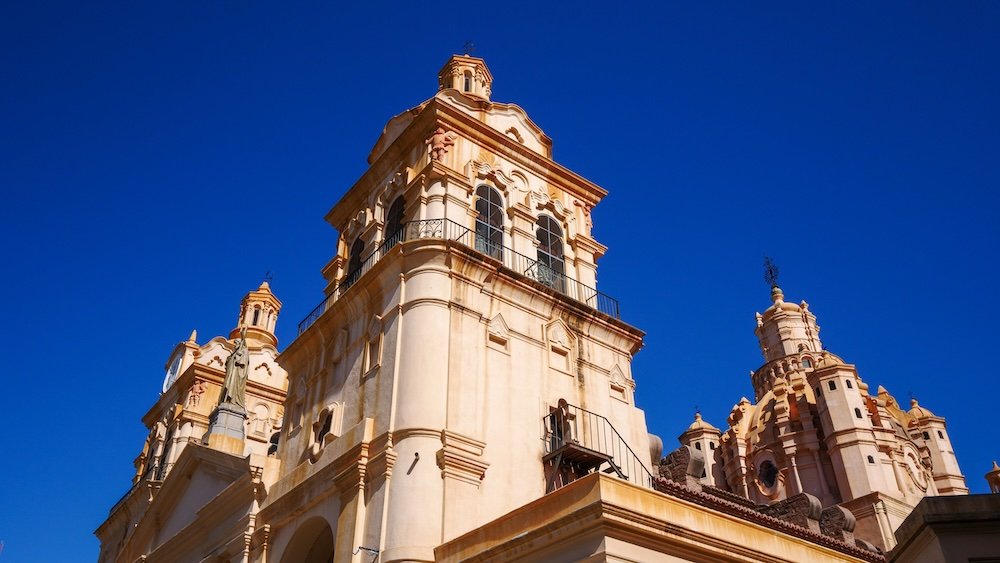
468,48
770,272
268,277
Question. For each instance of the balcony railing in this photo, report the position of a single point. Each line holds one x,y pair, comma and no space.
446,229
578,441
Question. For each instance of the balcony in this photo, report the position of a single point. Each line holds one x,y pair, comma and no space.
579,442
446,229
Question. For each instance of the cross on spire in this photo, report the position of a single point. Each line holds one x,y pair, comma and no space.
770,272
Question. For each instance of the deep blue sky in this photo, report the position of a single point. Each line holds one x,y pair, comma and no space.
156,159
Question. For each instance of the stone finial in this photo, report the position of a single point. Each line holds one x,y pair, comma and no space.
777,296
993,478
194,336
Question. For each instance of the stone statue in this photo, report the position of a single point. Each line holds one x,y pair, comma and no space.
237,367
440,142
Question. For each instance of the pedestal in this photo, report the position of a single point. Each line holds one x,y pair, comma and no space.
226,429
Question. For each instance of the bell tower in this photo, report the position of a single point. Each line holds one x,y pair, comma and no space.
461,318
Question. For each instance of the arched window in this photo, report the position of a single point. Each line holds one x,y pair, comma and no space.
551,262
489,222
354,264
848,383
394,223
857,413
697,446
833,386
256,316
871,460
467,83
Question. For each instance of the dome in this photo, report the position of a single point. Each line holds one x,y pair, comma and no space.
700,424
917,411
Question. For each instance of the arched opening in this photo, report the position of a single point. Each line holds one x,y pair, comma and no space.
551,261
394,223
354,264
489,222
768,473
312,543
467,82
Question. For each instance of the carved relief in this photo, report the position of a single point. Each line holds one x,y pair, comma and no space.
498,175
440,142
197,390
265,367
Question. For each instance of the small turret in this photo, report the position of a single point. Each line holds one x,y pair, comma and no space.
931,431
704,437
258,314
466,74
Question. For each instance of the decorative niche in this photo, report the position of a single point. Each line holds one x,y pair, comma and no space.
498,334
560,345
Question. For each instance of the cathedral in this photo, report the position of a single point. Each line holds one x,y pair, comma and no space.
464,392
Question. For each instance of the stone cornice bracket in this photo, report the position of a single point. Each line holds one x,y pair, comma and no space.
460,458
353,475
383,458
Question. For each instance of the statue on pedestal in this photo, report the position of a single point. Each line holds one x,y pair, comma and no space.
237,367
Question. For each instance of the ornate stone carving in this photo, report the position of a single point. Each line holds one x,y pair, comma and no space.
197,390
440,142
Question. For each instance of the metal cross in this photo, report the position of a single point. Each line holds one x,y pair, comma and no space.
468,48
770,272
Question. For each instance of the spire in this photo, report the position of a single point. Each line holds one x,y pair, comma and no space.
466,74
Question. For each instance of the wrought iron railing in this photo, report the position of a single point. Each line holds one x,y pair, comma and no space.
446,229
570,426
